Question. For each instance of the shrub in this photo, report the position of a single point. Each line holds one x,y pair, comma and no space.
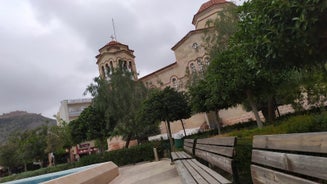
143,152
140,153
243,159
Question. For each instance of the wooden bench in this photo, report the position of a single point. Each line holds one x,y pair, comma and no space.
290,158
218,152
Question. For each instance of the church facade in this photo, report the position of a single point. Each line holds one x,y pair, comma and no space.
191,57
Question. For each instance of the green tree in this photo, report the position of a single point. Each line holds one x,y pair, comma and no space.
272,38
283,34
280,35
219,30
29,146
33,145
119,100
206,95
310,89
168,105
9,155
79,129
90,125
59,139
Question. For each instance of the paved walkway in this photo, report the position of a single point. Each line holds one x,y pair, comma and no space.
148,173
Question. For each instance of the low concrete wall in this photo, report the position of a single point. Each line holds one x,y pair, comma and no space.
101,174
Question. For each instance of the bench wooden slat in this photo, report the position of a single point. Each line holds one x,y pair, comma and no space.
218,151
188,150
184,155
216,175
262,175
174,155
199,179
222,141
191,141
227,151
180,155
306,142
303,164
217,160
205,175
183,172
187,144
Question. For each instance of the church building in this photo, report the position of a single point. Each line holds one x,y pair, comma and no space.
191,56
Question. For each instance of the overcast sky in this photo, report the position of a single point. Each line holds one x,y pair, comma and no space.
48,47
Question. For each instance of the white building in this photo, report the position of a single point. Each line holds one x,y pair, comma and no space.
71,109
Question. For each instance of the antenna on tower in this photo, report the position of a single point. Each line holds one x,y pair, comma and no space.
113,26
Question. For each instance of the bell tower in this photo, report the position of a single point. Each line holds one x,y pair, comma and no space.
113,55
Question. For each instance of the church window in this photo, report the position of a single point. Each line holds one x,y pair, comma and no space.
199,62
107,72
195,45
103,71
192,66
130,66
125,65
120,62
174,83
206,61
107,69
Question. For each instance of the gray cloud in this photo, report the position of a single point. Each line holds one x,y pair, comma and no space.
48,48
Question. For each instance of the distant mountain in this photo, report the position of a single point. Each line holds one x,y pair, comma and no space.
21,121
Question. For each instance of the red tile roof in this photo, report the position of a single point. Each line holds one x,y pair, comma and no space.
209,4
113,42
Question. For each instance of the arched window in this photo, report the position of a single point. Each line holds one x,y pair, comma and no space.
174,83
108,69
120,63
199,62
103,71
206,61
130,66
192,66
125,65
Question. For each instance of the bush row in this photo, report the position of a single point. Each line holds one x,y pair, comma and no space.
139,153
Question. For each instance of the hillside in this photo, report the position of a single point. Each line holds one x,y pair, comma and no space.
21,121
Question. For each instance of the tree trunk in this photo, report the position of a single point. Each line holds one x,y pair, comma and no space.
276,106
170,137
167,129
271,110
218,121
101,142
128,140
254,108
183,127
25,166
71,154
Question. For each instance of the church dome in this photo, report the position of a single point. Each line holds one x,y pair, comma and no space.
113,42
205,6
210,3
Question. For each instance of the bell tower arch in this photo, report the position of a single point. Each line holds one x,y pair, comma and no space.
113,55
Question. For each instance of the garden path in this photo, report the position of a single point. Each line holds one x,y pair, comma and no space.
160,172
